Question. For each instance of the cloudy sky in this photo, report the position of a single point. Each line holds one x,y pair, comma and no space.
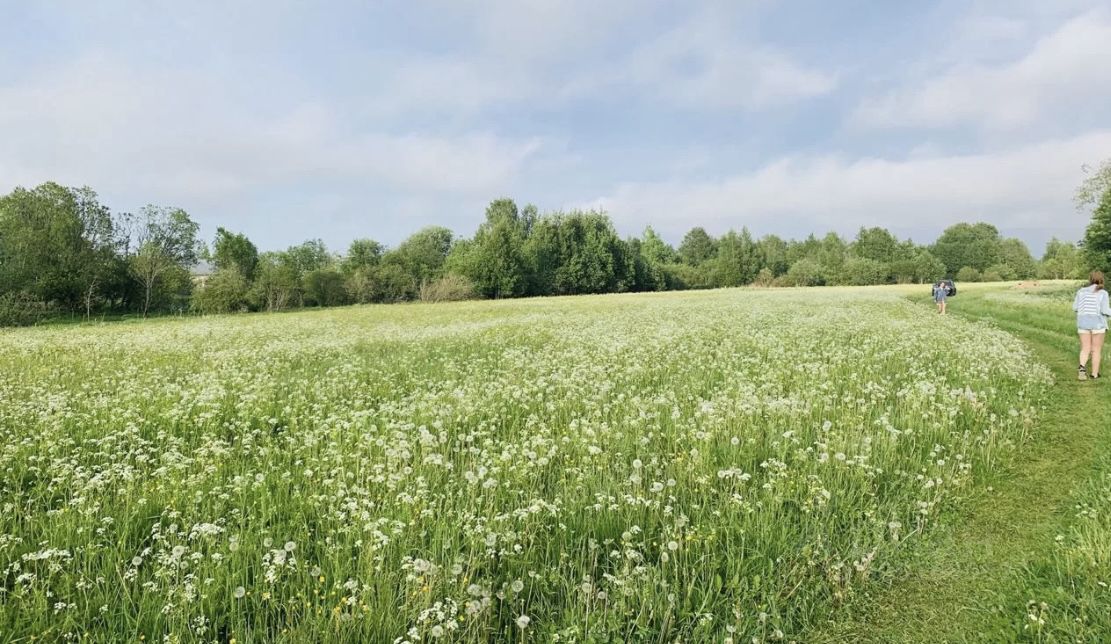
288,121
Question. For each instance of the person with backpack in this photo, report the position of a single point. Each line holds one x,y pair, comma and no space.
1092,309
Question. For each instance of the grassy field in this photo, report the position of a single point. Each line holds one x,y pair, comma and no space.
715,466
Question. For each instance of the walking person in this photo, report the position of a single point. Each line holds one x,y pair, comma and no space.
1092,309
941,293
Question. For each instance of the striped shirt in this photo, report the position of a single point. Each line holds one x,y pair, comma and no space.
1091,306
1091,302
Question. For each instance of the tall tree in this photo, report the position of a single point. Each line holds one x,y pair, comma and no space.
1095,187
1097,237
234,251
973,245
494,260
697,247
737,261
1016,258
774,255
56,244
423,254
876,244
277,282
362,254
655,249
165,242
1062,260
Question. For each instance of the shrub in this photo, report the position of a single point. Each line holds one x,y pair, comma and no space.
999,273
862,271
969,274
22,309
764,278
224,292
449,288
805,272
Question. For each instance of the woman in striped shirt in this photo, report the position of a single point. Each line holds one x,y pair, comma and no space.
1092,308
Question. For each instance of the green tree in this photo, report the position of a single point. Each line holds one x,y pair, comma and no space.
806,272
656,250
393,284
578,253
423,254
362,254
697,247
277,282
1097,237
973,245
737,260
166,246
1062,260
919,268
863,271
1095,187
876,244
225,291
969,274
57,244
1015,260
774,254
831,257
494,260
234,250
324,287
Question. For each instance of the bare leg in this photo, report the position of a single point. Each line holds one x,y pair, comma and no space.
1085,348
1097,352
943,305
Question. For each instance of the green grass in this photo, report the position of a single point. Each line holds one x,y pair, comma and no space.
1029,560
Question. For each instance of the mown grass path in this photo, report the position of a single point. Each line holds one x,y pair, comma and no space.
970,582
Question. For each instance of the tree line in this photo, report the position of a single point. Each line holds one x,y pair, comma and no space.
63,252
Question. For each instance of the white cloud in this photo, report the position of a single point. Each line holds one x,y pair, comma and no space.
1064,68
546,52
703,64
1025,188
177,136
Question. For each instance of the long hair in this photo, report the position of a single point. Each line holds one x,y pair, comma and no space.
1095,278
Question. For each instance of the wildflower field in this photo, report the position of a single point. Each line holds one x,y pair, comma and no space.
696,467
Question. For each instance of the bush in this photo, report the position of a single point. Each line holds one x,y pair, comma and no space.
969,274
805,272
449,288
225,291
680,277
22,309
325,287
862,271
764,278
999,273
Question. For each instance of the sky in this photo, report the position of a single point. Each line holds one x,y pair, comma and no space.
293,120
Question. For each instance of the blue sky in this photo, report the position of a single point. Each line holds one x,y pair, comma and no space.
296,120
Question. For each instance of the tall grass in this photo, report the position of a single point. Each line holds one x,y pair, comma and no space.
688,466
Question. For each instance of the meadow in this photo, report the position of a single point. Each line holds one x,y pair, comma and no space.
720,466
